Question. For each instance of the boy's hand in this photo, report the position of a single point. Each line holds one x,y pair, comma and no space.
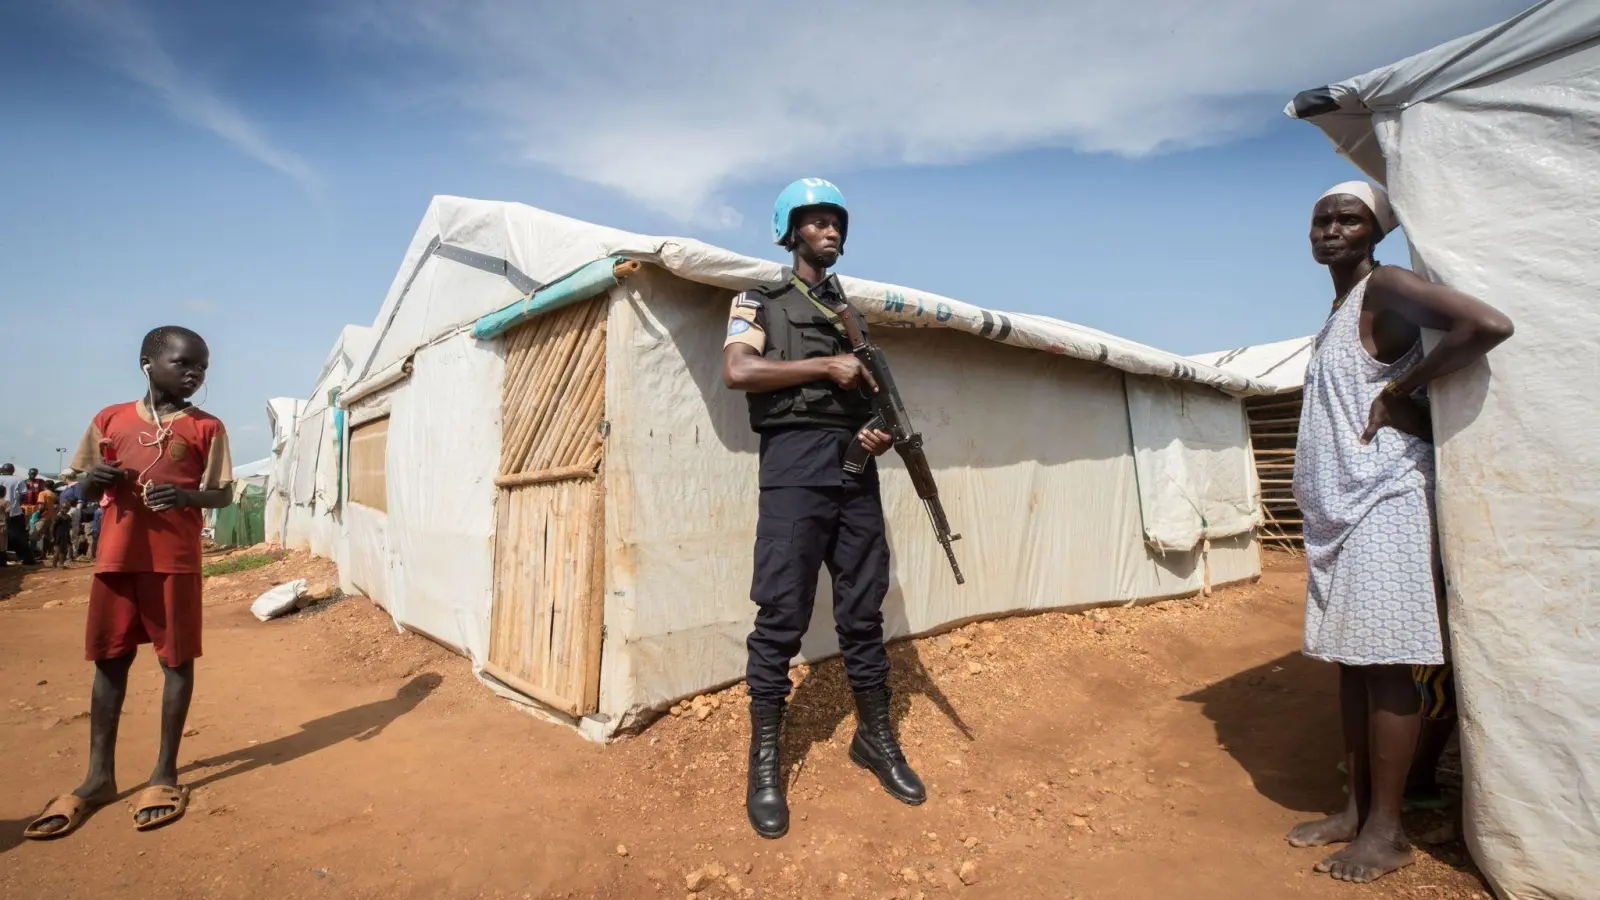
103,475
161,497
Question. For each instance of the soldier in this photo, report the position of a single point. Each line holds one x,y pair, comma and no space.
786,349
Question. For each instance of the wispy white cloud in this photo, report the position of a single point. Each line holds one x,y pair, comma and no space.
119,34
670,102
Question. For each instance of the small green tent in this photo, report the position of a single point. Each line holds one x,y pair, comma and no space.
244,522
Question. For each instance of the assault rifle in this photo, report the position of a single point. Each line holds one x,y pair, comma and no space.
889,414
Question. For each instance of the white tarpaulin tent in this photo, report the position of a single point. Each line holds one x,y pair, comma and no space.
1279,366
1274,427
503,466
1490,149
282,414
255,472
314,485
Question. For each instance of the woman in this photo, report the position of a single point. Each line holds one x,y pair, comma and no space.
1364,481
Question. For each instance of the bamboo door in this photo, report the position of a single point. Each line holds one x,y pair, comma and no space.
545,633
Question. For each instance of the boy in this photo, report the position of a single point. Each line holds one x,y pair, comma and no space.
62,535
75,520
43,535
173,462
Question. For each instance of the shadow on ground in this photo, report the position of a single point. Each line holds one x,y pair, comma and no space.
1280,721
823,701
11,579
360,723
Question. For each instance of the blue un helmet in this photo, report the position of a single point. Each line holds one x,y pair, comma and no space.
801,194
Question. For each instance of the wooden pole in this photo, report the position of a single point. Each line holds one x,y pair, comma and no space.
562,474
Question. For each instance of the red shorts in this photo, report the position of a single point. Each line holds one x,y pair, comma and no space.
127,609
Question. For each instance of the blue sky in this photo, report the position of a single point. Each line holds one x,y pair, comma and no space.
255,171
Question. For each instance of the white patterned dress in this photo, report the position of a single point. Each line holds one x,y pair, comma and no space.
1368,525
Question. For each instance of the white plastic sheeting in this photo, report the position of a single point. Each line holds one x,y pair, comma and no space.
308,448
1195,481
313,518
256,471
1490,149
1043,485
443,454
541,247
282,414
1279,366
1042,488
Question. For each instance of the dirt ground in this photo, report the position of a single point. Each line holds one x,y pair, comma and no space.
1131,753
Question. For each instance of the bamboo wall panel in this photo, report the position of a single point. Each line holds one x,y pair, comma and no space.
369,447
548,604
553,395
1274,429
546,626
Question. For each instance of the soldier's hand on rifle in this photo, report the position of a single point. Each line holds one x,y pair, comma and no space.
874,441
847,372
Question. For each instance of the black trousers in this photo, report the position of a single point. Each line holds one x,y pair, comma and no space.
17,538
800,530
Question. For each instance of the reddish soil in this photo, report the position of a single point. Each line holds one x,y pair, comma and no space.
1135,753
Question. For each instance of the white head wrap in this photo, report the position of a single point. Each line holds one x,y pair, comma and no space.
1375,199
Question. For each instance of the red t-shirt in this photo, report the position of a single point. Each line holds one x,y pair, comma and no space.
134,538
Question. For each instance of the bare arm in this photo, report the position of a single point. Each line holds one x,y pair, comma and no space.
1471,327
215,498
167,496
743,369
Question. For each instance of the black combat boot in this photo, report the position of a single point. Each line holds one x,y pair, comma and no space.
875,749
763,798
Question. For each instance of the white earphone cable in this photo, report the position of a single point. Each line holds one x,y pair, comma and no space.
159,440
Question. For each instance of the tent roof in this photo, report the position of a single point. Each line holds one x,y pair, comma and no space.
1281,365
260,467
352,349
527,249
281,412
1344,111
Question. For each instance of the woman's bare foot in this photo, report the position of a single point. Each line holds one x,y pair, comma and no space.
1368,858
1335,829
96,792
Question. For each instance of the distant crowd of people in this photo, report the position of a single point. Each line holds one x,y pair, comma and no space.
46,520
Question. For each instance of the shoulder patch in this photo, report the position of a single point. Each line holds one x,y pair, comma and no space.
738,326
747,300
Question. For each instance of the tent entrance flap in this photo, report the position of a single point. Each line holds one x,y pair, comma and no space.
547,617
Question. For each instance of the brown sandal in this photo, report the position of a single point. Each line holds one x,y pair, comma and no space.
159,796
71,807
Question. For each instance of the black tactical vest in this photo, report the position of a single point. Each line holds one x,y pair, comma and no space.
797,329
